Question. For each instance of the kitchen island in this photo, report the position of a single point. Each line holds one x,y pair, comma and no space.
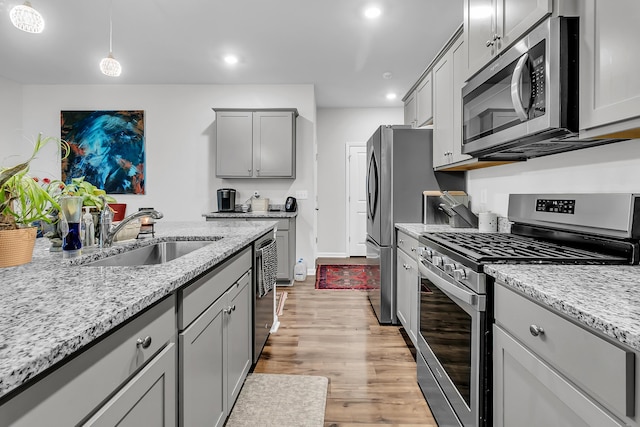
52,309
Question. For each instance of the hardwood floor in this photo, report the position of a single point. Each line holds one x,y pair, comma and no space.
334,333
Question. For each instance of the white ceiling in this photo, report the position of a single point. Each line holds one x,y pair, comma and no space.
327,43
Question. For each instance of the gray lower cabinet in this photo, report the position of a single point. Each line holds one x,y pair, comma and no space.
549,371
117,381
216,346
256,143
407,285
147,400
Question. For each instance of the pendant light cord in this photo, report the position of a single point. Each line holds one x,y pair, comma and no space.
111,28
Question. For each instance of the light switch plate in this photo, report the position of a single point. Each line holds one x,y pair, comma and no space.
302,194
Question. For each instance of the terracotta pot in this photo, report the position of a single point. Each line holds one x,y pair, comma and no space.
119,210
16,246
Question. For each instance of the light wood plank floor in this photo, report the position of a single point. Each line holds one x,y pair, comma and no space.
334,333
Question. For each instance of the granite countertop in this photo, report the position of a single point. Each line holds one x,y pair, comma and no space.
50,308
249,215
602,297
416,229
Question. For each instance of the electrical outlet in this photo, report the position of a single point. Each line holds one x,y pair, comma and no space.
302,194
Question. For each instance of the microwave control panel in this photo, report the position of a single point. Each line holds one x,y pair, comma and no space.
538,104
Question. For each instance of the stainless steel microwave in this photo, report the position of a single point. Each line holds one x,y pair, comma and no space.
525,103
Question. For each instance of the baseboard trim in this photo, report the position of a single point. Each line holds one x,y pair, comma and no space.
331,255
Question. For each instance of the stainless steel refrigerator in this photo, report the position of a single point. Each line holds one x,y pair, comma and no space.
399,169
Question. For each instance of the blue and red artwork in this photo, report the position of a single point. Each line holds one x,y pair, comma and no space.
107,148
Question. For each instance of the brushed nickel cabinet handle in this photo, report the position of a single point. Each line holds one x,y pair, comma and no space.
536,330
143,342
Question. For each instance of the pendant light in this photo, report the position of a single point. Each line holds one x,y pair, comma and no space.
26,18
109,65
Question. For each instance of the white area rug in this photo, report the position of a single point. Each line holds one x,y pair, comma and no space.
280,400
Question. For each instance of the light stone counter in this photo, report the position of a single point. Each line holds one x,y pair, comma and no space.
605,298
51,308
249,215
416,229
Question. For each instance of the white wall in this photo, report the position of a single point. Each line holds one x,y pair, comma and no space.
180,142
10,119
605,169
337,127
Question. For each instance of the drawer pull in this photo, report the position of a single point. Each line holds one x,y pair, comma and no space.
536,330
143,342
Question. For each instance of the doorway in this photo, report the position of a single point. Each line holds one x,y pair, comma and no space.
356,168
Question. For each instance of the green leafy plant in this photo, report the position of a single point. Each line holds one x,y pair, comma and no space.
91,195
22,199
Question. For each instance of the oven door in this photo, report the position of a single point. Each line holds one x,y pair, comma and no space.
453,325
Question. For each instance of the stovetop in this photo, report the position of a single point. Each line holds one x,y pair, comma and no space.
495,248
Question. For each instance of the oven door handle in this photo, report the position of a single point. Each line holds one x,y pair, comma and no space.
447,287
516,95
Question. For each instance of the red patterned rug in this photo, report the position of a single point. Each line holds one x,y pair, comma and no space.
357,277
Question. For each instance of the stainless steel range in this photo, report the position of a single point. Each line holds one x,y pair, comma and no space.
456,310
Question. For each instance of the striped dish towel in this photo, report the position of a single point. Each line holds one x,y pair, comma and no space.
268,268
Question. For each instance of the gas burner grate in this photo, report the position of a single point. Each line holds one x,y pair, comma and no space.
504,247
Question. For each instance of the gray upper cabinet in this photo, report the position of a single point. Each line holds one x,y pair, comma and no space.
410,110
448,79
252,143
490,26
609,86
424,102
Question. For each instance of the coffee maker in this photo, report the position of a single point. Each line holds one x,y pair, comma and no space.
226,200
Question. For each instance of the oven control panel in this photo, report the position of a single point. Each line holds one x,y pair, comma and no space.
563,206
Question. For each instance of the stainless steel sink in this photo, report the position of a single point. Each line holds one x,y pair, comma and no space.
157,253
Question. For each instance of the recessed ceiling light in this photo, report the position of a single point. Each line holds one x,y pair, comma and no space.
231,59
391,96
372,12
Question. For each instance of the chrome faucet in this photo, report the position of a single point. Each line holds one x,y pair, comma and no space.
106,240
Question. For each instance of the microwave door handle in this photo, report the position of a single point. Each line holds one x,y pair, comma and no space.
516,96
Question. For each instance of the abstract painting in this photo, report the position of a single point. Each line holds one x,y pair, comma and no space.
107,148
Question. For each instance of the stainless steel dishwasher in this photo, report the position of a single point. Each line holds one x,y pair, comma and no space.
263,305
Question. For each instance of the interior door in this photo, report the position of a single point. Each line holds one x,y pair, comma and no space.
357,200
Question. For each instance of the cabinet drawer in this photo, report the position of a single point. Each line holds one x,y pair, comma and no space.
604,370
407,243
73,391
196,297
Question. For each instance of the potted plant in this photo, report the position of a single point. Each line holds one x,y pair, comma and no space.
23,201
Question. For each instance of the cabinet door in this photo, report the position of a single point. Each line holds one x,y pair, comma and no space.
148,399
479,16
234,144
403,285
442,110
609,83
238,337
424,95
285,270
410,110
527,392
202,389
517,17
273,136
459,68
